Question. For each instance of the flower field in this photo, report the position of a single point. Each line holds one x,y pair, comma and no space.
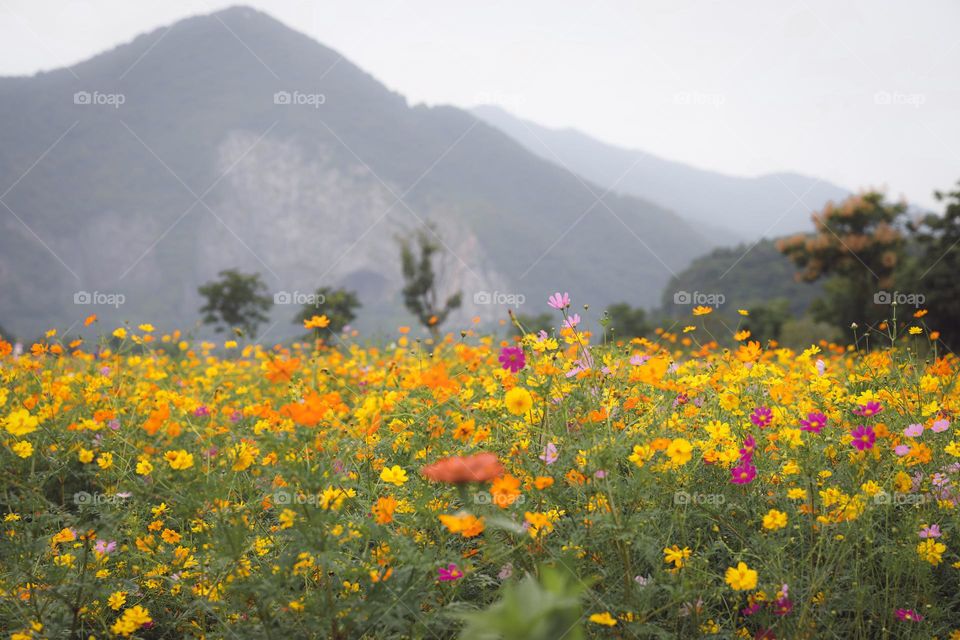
157,487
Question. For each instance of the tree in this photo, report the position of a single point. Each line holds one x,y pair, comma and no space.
628,322
857,247
235,300
420,294
938,265
338,305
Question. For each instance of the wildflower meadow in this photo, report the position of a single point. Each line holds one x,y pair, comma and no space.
550,485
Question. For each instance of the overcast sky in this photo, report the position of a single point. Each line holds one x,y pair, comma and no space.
860,93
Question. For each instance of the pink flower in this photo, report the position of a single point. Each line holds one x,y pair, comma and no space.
863,437
814,423
103,546
638,359
940,426
743,474
762,416
559,300
931,531
549,453
872,408
908,615
901,450
913,431
512,358
572,321
449,574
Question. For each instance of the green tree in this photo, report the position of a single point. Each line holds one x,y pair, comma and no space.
938,265
766,321
420,292
856,247
235,300
339,305
627,322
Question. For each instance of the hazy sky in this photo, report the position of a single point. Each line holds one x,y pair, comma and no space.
860,93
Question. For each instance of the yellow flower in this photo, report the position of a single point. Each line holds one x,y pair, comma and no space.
244,454
604,618
117,599
85,456
679,451
741,577
179,460
466,525
144,467
287,518
317,322
23,449
931,551
675,555
394,475
131,620
105,460
146,328
518,401
774,520
701,310
120,333
20,423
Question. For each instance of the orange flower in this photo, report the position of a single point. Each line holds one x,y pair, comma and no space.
481,467
281,370
383,509
542,482
469,526
505,490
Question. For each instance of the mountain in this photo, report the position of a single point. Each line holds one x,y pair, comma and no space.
729,208
231,141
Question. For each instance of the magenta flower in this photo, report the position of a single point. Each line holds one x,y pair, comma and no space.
549,454
872,408
743,474
908,615
559,300
201,412
931,531
863,437
449,574
814,423
746,453
913,431
512,358
762,416
940,426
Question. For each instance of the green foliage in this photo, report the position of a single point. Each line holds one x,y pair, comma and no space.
235,300
766,321
937,268
420,291
339,305
531,609
627,322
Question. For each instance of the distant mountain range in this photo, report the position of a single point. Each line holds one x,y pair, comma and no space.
729,208
230,140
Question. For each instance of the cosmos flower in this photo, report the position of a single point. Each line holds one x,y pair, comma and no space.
482,467
869,409
743,473
814,423
449,573
741,577
512,359
559,300
762,416
549,454
863,437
